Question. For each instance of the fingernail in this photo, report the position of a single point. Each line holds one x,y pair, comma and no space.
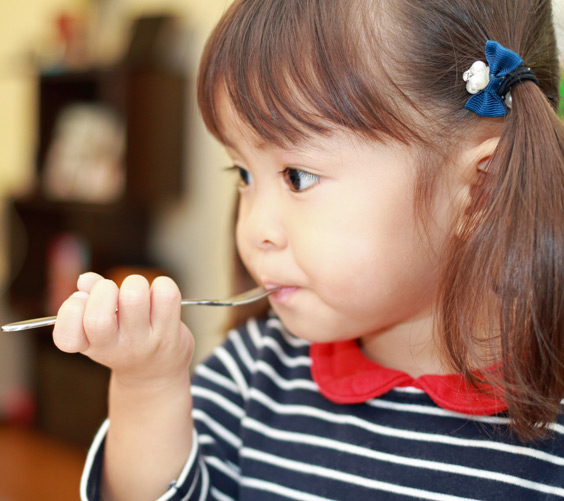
80,294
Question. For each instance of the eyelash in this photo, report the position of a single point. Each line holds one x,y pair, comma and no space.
291,176
244,175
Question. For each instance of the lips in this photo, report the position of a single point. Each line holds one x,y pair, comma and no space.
283,295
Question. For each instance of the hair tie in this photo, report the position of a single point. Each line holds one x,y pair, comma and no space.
522,72
491,85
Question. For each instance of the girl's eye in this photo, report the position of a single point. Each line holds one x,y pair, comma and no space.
245,177
299,180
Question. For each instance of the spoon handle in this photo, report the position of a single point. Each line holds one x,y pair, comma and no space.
29,324
238,300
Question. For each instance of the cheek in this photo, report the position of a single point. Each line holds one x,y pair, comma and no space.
241,245
334,247
379,245
246,252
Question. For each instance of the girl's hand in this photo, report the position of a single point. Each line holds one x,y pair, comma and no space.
144,340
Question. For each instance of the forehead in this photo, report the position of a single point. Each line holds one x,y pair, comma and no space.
337,146
234,130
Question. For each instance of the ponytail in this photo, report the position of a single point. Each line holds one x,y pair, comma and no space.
501,305
514,246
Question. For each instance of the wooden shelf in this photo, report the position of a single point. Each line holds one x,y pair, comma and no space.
70,390
152,104
114,234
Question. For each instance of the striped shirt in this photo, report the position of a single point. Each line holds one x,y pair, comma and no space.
265,432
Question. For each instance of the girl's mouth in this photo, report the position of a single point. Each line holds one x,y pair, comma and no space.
283,295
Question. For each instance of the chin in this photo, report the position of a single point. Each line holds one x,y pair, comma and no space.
308,328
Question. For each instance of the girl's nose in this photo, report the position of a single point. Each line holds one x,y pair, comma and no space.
260,223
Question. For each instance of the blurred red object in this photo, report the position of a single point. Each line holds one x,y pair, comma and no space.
68,257
17,407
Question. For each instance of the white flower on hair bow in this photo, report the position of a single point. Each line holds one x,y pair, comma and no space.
477,77
490,86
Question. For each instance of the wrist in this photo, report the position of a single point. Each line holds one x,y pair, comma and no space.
150,433
132,387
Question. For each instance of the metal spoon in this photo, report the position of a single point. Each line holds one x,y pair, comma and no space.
247,297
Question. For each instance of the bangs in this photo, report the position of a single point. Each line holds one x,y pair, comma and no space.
294,68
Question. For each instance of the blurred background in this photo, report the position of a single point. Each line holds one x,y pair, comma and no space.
104,165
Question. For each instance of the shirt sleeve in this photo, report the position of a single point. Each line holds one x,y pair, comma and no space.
220,389
189,481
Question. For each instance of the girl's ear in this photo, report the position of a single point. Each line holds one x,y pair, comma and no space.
474,163
475,158
483,153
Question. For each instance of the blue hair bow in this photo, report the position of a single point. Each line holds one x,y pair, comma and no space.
502,61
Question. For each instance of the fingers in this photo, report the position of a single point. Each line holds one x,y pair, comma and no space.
141,305
166,321
134,328
134,308
86,314
86,281
100,320
68,334
165,300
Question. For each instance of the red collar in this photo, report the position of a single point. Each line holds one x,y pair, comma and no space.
346,376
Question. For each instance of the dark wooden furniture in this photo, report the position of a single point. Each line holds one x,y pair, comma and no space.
70,389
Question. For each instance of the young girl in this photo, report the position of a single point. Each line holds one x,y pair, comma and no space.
401,178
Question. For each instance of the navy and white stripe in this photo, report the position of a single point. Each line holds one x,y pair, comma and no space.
264,432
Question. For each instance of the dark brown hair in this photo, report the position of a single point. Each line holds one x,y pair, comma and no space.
393,69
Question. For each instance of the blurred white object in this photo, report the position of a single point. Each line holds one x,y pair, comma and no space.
85,159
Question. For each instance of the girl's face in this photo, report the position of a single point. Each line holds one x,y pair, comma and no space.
332,222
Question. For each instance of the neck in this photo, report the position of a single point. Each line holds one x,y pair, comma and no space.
411,348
